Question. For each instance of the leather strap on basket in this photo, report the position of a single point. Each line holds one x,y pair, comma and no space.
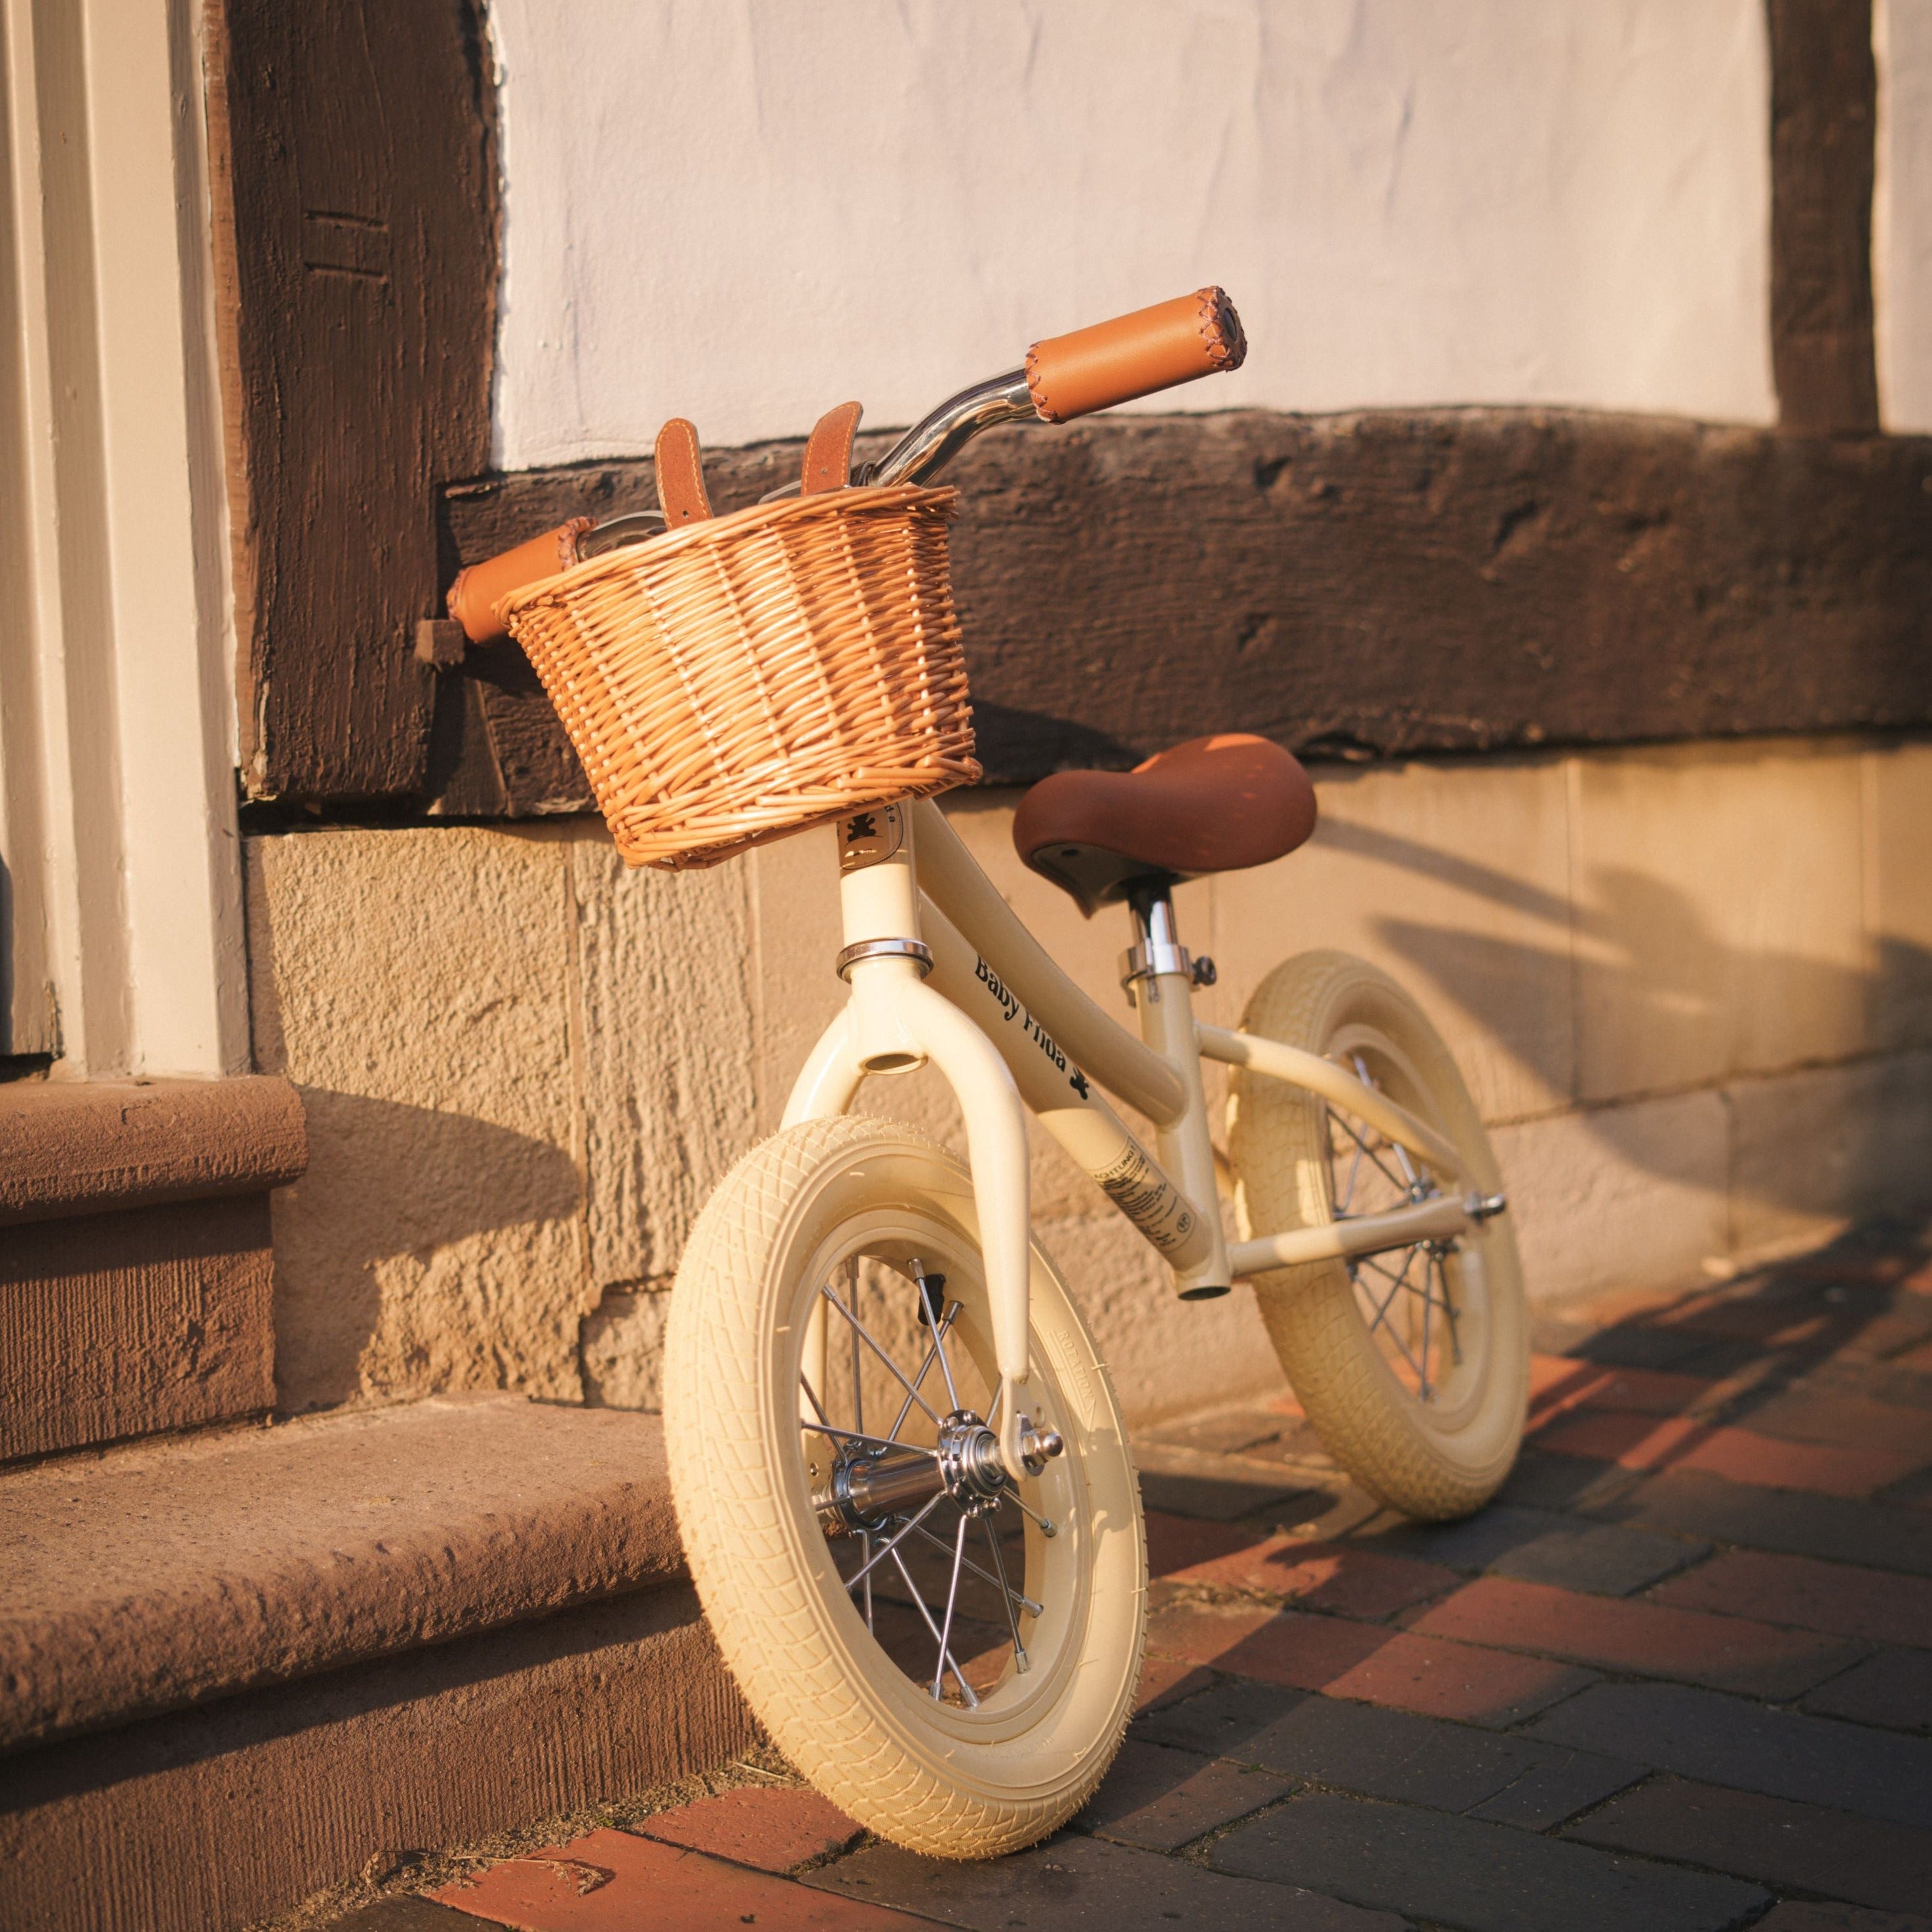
828,456
681,475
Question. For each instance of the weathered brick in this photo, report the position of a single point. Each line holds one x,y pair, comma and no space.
1894,1688
1808,1414
1373,1666
1740,1455
1812,1916
1679,1352
1074,1884
1836,1598
1727,1653
614,1881
1563,1784
1683,1501
407,1914
772,1827
1392,1754
1346,1579
1477,1541
1179,1542
1230,1719
1721,1740
1606,1559
1560,1383
1180,1483
1803,1847
1165,1679
1162,1799
1460,1872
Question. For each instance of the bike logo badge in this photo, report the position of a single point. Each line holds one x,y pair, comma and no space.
869,837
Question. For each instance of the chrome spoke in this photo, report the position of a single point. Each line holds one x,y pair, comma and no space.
862,1334
1006,1592
1428,1306
898,1536
1394,1180
946,1322
998,1583
939,1345
811,1396
853,1435
858,1379
952,1601
865,1550
1048,1527
946,1661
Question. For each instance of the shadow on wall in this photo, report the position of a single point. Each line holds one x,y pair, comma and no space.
1643,960
435,1251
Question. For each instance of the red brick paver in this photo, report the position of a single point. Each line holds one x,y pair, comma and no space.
1838,1598
612,1882
774,1828
1350,1582
1616,1633
1559,1384
1741,1455
1397,1668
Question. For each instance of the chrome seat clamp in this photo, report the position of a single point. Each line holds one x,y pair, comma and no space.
920,954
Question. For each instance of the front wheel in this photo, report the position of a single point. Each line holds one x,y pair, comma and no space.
1413,1365
950,1658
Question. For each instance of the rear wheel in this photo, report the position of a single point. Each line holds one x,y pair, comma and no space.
950,1658
1412,1365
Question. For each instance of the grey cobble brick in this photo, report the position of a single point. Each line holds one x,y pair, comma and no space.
1084,1885
1723,1740
1803,1846
1486,1878
1161,1798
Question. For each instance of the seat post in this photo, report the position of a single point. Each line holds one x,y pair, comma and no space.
1160,978
1157,950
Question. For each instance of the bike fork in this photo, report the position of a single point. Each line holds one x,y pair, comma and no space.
893,1022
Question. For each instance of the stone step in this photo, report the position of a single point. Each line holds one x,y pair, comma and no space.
135,1262
237,1666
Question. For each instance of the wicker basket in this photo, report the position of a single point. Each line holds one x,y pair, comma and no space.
744,677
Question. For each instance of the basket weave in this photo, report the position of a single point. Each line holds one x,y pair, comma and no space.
744,677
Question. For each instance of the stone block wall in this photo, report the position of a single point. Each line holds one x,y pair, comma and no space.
1691,989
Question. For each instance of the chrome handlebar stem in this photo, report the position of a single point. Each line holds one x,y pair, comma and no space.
929,446
926,448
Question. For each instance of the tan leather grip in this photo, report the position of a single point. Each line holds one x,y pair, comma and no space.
1135,355
477,591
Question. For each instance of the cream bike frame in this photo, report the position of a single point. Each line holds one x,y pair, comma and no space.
940,970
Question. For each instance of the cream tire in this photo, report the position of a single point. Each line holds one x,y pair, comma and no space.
1419,1393
854,1200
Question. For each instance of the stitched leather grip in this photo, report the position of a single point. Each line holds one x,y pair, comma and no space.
477,591
1156,348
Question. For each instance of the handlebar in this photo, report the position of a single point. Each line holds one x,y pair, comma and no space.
1064,376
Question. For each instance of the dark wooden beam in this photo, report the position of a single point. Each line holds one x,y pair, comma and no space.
354,168
1823,122
1381,585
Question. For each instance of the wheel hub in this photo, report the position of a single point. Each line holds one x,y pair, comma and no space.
869,1486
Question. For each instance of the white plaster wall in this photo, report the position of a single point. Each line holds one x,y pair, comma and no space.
744,213
1902,213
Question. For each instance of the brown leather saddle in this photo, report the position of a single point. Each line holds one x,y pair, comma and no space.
1213,805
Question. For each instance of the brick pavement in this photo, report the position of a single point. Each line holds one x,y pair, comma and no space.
1679,1675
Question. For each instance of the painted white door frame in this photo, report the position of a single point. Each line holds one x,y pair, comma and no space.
117,791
